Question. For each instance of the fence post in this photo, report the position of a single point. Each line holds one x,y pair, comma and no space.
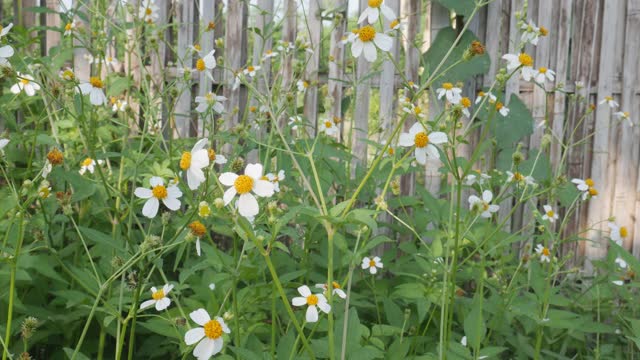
236,57
314,24
360,125
185,12
206,16
388,81
336,60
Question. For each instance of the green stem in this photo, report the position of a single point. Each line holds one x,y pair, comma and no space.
12,285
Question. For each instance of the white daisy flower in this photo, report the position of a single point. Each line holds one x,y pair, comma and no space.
618,233
87,164
93,88
452,93
523,61
243,185
313,301
70,27
623,115
621,263
208,336
275,179
148,11
372,12
482,95
414,110
543,74
158,298
372,264
519,178
395,24
544,253
26,84
549,214
609,101
503,110
5,53
328,127
586,186
366,42
215,158
5,30
483,205
269,54
530,34
336,289
118,105
251,70
423,141
285,46
194,161
479,178
210,100
294,121
465,104
302,85
111,61
168,194
207,62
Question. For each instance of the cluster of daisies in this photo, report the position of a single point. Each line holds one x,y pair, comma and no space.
366,40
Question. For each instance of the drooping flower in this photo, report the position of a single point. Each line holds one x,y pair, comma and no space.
530,33
244,185
198,230
618,233
336,289
586,186
482,95
465,104
269,54
194,161
208,336
622,116
167,194
215,158
118,105
158,298
70,27
25,83
372,264
313,301
366,42
423,141
609,101
479,178
93,88
523,61
483,205
544,74
414,110
210,101
544,253
67,74
549,214
372,12
451,92
503,110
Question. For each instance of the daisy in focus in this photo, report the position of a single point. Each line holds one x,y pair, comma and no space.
465,104
328,127
544,253
368,41
313,301
372,12
483,205
207,63
424,142
336,289
158,298
208,336
93,88
523,61
251,70
451,92
169,196
194,161
26,84
244,186
549,214
373,264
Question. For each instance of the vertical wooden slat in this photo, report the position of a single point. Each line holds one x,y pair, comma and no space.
53,21
206,15
236,57
387,82
410,12
561,68
600,208
336,59
185,11
314,25
289,31
360,125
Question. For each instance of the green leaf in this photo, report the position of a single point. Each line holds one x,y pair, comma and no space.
460,7
474,326
460,72
512,128
79,355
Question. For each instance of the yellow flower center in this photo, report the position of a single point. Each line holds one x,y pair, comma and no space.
335,285
200,65
204,210
24,81
625,114
375,3
185,160
544,31
481,94
44,192
68,74
251,69
550,213
391,151
159,192
499,106
211,26
372,263
485,206
525,59
87,162
213,329
305,84
593,191
465,102
392,25
421,139
148,11
328,124
367,33
608,98
517,176
55,157
197,228
545,251
197,47
312,300
243,184
212,154
589,182
68,27
542,70
417,110
623,232
158,295
95,82
447,86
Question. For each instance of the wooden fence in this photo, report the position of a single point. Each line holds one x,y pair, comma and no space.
593,42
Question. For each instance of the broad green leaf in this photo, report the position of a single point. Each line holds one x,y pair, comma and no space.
474,326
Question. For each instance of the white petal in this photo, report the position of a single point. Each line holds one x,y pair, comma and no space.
304,290
364,15
370,52
155,181
312,314
200,316
356,48
199,159
96,97
174,192
143,193
228,178
204,349
383,41
438,138
198,249
387,12
147,303
373,15
228,195
224,326
171,203
6,51
150,208
406,140
493,208
217,346
432,152
487,196
254,171
365,262
193,336
421,155
167,288
163,304
298,301
85,88
263,188
248,205
324,306
373,270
